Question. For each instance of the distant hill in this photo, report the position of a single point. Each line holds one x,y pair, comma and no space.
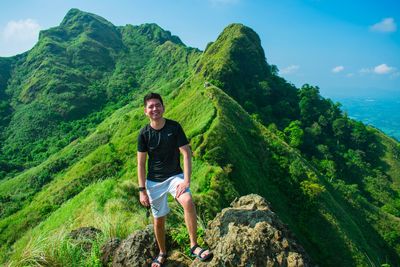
71,109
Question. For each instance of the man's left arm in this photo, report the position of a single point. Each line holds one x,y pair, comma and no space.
187,169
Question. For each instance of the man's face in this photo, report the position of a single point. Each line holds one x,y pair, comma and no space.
154,109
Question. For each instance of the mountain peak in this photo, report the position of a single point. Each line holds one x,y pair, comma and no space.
238,30
235,61
75,16
77,22
237,44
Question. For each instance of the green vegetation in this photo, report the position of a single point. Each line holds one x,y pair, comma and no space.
76,76
73,108
236,63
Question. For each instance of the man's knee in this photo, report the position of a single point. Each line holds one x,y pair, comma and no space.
186,200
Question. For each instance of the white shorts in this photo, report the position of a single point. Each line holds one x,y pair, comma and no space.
158,194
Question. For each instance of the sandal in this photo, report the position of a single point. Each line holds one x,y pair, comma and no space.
198,255
156,261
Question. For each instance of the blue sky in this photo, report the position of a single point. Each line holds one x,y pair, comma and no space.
344,47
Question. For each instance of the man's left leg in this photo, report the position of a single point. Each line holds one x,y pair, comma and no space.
191,220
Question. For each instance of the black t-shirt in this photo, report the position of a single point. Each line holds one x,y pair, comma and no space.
162,147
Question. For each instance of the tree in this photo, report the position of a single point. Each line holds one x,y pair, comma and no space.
294,134
310,102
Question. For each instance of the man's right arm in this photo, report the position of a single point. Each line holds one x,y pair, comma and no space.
141,168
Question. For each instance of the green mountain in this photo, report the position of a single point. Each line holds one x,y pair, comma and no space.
71,109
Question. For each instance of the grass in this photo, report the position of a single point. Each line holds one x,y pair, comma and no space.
111,204
109,197
57,249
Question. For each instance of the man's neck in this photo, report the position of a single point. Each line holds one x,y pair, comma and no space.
157,124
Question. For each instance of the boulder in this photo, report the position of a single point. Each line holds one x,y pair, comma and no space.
250,234
137,250
108,249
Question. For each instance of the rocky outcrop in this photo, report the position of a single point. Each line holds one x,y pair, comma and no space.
246,234
250,234
137,250
108,249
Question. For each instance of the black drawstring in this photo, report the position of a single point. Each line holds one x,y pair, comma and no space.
148,212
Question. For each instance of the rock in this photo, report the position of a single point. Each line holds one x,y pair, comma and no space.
138,249
84,237
108,249
250,234
178,259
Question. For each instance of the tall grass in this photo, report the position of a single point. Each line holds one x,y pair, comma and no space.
58,249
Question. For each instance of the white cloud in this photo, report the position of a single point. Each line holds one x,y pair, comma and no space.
18,36
337,69
385,25
379,69
21,30
349,75
289,69
383,69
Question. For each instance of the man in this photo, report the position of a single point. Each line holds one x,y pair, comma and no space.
163,140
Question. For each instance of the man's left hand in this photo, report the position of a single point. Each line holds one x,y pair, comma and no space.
181,188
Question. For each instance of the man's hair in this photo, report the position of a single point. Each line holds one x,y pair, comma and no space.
152,96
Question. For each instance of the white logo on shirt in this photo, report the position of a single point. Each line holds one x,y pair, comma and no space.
169,134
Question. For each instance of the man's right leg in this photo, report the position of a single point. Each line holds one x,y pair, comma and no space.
159,206
159,230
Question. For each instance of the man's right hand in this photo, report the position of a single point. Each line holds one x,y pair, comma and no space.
144,198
